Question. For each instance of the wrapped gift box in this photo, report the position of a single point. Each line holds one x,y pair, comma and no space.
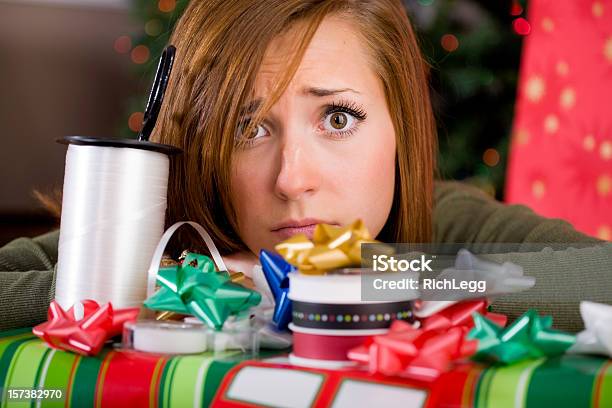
126,378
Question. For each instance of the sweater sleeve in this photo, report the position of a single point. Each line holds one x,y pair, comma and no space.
465,214
568,266
27,280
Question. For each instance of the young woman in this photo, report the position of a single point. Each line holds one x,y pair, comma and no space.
295,112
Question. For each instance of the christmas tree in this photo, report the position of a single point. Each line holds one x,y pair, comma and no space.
473,47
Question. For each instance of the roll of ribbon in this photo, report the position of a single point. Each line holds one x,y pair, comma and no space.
323,347
329,317
361,316
167,337
113,208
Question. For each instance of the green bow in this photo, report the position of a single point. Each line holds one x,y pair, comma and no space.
194,287
530,336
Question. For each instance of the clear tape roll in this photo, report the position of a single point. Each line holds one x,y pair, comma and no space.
113,209
165,337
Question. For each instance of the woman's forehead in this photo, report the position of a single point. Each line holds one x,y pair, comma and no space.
336,58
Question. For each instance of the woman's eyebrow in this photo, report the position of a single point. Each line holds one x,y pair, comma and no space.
315,91
252,106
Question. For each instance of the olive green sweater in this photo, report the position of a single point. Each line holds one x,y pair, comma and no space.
462,214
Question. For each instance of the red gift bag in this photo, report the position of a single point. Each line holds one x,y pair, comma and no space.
560,161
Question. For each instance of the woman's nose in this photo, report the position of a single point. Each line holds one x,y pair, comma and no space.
298,175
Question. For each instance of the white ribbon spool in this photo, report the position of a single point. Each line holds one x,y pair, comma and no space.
113,209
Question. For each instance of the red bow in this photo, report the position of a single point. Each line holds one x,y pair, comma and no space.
415,353
86,335
460,314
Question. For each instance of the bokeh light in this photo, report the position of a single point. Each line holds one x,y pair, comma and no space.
521,26
449,42
166,6
123,44
516,9
491,157
140,54
135,121
153,27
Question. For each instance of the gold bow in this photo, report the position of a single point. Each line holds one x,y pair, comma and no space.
332,247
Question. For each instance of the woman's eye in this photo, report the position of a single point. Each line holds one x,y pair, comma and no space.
255,132
338,121
341,119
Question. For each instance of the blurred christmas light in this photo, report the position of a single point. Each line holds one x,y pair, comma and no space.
521,136
597,9
608,49
449,42
491,157
548,24
538,189
535,88
567,99
123,44
425,2
140,54
605,150
516,9
153,27
166,6
588,142
562,68
604,185
521,26
135,121
604,232
551,123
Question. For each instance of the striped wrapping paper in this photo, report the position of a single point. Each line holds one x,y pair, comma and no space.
119,378
113,378
567,381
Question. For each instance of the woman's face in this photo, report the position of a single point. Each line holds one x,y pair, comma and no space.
325,152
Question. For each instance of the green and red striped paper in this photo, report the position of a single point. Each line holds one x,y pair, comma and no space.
127,378
565,381
113,378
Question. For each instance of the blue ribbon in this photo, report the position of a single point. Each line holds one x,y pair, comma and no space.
276,269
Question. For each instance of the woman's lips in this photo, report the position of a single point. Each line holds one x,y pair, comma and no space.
306,226
288,232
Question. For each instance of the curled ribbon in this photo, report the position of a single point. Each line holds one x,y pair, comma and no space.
414,353
332,247
194,287
84,328
529,336
460,314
